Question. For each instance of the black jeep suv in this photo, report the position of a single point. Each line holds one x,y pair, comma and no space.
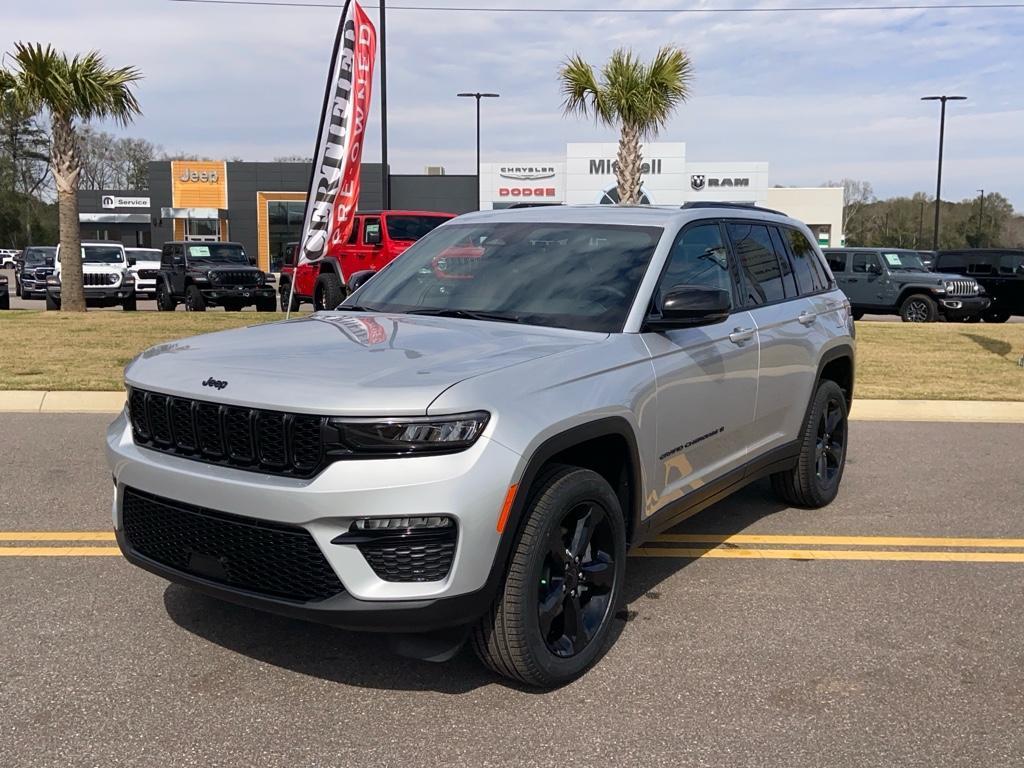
201,275
1000,272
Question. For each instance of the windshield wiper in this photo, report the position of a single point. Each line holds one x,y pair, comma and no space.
466,314
354,308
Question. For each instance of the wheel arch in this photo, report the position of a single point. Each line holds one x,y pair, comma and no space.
329,264
907,291
837,364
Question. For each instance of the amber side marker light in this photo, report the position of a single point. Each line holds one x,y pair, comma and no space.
506,507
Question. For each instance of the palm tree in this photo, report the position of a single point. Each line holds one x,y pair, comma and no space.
636,98
80,88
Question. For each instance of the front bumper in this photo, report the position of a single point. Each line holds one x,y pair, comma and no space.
252,292
958,308
469,486
145,288
34,288
99,293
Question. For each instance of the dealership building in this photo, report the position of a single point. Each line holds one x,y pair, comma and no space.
261,204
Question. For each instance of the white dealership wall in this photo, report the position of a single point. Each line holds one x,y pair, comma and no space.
587,176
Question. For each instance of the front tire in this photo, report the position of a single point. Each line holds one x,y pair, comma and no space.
551,620
285,289
52,303
164,301
814,481
266,305
129,305
194,301
328,292
918,308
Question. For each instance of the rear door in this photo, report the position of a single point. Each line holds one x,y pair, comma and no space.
706,377
178,269
784,319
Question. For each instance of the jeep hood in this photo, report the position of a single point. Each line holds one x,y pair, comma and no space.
344,363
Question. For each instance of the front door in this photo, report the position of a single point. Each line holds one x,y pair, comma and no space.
706,377
867,280
178,269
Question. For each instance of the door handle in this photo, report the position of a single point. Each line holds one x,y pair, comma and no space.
740,336
807,318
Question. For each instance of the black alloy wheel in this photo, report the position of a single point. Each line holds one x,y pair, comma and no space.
830,447
918,309
576,580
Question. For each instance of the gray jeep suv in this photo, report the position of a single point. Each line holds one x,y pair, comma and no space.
895,281
477,436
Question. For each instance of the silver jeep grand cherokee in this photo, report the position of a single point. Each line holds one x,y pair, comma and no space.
477,437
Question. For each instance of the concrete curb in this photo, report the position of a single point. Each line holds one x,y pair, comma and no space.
978,411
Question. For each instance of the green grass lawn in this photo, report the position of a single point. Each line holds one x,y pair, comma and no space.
939,361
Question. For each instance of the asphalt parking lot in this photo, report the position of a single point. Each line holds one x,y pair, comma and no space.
732,659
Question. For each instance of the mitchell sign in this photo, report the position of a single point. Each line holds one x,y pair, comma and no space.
608,167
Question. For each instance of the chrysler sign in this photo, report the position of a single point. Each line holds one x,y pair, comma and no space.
115,201
527,172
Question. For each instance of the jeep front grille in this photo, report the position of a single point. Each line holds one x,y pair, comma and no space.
961,288
99,278
244,438
266,558
241,277
148,274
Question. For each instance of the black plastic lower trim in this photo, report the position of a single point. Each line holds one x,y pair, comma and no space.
343,610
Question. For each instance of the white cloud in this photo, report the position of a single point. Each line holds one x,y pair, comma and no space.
816,95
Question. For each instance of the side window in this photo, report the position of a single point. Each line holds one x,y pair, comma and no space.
762,275
698,257
809,274
951,262
981,263
837,262
788,278
862,262
357,226
1012,264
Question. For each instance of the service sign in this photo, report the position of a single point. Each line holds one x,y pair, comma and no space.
116,201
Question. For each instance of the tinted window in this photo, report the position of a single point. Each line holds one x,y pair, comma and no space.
788,278
810,275
861,262
836,261
981,263
952,261
35,257
412,227
762,275
698,257
1012,264
582,276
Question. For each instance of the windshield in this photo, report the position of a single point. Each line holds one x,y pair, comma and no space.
903,260
219,253
102,254
412,227
39,257
143,254
581,276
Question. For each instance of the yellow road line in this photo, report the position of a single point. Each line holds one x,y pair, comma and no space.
59,551
834,554
855,541
57,536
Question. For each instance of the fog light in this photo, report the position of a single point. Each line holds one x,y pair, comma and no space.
402,523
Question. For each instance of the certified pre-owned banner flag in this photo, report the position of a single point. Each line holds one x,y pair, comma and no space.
334,182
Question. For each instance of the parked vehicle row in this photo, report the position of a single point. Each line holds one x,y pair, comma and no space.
8,257
201,275
895,281
1000,272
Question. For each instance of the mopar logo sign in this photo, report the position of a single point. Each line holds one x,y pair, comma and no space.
115,201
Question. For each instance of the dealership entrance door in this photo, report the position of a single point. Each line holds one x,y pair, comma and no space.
202,230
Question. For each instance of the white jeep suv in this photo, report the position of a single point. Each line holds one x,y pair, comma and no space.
106,279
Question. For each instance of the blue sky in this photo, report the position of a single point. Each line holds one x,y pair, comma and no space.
817,95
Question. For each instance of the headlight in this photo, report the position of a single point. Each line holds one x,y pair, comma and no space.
53,280
941,288
417,435
200,278
261,279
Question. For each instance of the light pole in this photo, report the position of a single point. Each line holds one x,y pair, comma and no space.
385,180
477,95
938,183
981,219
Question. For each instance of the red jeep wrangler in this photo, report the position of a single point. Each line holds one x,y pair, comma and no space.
377,238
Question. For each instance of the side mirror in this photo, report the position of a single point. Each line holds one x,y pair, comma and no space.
874,269
690,306
372,235
132,261
252,261
359,279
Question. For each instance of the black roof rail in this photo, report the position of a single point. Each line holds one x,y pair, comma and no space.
736,206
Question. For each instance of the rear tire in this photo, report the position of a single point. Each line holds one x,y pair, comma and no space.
285,289
551,620
52,303
164,301
129,305
5,302
328,292
194,301
814,481
918,308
